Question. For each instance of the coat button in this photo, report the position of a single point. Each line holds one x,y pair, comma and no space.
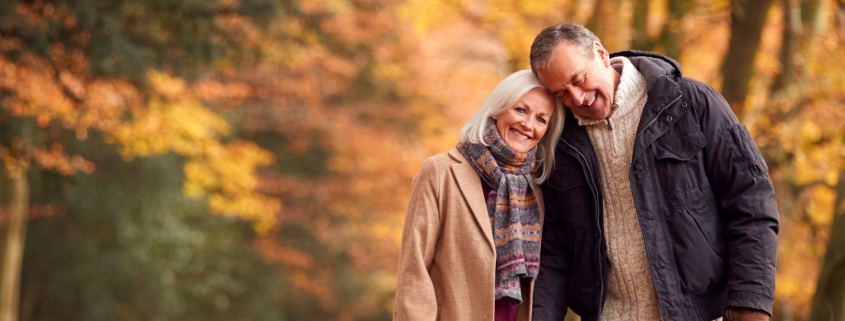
669,119
684,104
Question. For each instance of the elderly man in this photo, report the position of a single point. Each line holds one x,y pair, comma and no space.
660,206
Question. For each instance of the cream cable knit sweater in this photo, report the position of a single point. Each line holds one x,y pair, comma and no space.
630,289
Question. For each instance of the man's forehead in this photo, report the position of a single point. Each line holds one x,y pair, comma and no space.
567,56
561,75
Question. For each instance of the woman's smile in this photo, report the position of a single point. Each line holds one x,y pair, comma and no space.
520,134
524,124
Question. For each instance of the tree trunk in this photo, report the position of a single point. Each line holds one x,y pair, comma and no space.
791,33
14,203
17,214
747,20
596,21
672,29
814,14
638,24
829,300
786,311
606,24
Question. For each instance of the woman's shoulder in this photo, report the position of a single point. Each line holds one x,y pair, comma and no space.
439,163
445,160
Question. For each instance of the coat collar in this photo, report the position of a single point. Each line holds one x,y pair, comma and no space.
653,66
470,185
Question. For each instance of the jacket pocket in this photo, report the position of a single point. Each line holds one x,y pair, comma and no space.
698,243
697,232
679,163
682,146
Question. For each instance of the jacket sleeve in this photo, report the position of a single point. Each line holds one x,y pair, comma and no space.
550,286
740,180
415,297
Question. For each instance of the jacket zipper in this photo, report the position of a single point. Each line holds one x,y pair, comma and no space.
637,208
598,223
655,117
596,198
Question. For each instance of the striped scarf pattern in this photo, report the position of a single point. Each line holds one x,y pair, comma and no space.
514,210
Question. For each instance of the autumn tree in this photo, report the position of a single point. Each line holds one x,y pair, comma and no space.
747,20
124,243
829,299
349,97
108,67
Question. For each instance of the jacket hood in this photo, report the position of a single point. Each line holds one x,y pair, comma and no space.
653,66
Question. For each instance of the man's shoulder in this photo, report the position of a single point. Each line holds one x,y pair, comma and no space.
712,108
700,92
692,84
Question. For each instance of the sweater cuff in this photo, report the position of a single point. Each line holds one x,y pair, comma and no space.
750,300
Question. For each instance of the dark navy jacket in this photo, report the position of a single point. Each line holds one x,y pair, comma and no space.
703,197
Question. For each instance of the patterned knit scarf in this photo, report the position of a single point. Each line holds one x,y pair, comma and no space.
515,214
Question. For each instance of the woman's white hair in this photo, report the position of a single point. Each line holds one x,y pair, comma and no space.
506,94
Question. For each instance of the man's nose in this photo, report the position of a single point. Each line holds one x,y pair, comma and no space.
577,96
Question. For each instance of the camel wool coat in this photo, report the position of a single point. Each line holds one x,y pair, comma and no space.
447,262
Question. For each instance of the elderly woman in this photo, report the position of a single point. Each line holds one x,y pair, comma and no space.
471,240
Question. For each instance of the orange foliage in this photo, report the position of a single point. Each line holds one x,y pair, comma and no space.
383,84
169,117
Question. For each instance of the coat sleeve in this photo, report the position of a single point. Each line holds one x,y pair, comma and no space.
415,297
740,181
550,286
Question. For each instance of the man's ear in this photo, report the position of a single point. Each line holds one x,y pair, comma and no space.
602,53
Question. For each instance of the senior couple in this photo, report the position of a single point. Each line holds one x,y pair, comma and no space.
605,183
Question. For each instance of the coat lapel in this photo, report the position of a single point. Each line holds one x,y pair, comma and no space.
470,185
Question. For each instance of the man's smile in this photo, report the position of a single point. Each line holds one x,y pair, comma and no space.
596,95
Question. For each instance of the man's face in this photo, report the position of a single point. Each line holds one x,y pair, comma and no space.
584,85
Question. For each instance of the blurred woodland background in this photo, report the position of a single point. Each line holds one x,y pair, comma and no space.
252,159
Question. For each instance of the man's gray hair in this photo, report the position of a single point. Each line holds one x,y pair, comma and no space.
545,44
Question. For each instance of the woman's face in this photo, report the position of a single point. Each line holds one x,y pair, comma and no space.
524,124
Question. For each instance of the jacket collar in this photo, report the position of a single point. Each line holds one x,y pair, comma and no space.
653,66
470,185
663,83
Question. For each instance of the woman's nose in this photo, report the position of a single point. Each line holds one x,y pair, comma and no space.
528,121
